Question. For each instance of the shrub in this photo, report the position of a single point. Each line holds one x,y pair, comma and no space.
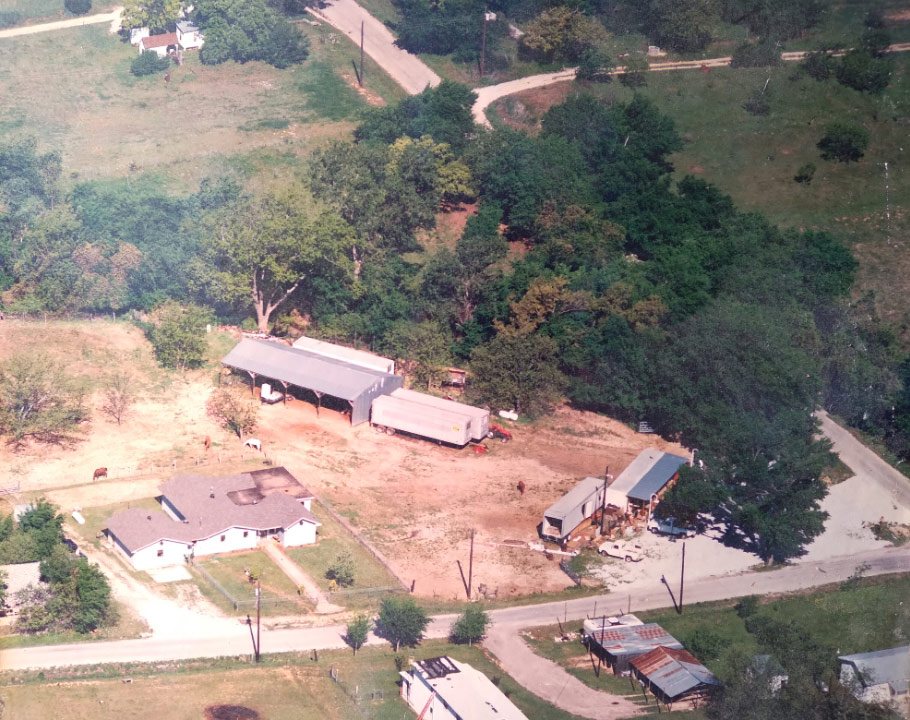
861,71
762,54
805,174
757,104
747,606
594,65
8,18
148,64
843,142
819,65
875,42
342,570
636,72
77,7
178,336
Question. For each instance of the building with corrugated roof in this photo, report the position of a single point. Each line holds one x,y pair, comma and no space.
649,475
673,674
879,676
320,374
618,645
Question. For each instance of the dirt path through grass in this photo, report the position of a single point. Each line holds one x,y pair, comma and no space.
112,17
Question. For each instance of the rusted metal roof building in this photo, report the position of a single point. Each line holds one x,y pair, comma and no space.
618,645
673,674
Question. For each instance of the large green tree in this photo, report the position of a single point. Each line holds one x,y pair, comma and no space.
245,30
401,621
154,14
39,400
260,251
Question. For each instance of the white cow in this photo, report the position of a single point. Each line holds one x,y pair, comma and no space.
253,443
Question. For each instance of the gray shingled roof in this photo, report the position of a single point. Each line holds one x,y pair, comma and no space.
191,496
303,369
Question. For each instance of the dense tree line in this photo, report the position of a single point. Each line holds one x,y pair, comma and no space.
585,273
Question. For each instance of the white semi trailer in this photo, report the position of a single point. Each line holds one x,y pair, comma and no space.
430,417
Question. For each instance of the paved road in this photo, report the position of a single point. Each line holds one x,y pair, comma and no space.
865,463
237,642
407,70
112,17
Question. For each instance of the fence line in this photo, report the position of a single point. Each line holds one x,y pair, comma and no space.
340,595
380,558
246,603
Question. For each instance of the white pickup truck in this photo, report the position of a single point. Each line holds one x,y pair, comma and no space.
630,552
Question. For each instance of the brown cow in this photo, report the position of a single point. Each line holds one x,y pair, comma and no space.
100,473
208,443
521,487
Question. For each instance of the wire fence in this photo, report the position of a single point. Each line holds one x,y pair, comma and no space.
244,603
341,595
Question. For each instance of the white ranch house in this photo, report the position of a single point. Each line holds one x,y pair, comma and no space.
206,516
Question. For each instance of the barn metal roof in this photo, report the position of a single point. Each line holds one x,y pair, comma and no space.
634,639
303,368
674,672
656,478
646,474
575,497
890,666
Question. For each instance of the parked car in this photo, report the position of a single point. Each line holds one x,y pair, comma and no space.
668,526
630,552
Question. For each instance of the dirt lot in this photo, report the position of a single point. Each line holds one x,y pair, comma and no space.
415,500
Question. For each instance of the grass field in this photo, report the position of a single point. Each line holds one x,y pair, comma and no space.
34,11
285,687
72,89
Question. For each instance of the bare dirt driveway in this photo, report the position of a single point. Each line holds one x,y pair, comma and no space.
407,70
112,17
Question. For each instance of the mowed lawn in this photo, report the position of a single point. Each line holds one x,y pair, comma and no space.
72,90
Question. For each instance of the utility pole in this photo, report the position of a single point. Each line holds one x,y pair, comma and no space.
471,565
603,500
250,622
487,16
682,578
360,79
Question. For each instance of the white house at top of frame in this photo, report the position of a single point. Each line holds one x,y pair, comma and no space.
206,516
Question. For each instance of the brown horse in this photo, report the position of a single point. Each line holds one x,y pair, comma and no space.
208,443
99,473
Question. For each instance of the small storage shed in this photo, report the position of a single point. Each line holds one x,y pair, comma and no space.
323,375
673,675
478,419
361,358
617,646
572,509
651,473
158,44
